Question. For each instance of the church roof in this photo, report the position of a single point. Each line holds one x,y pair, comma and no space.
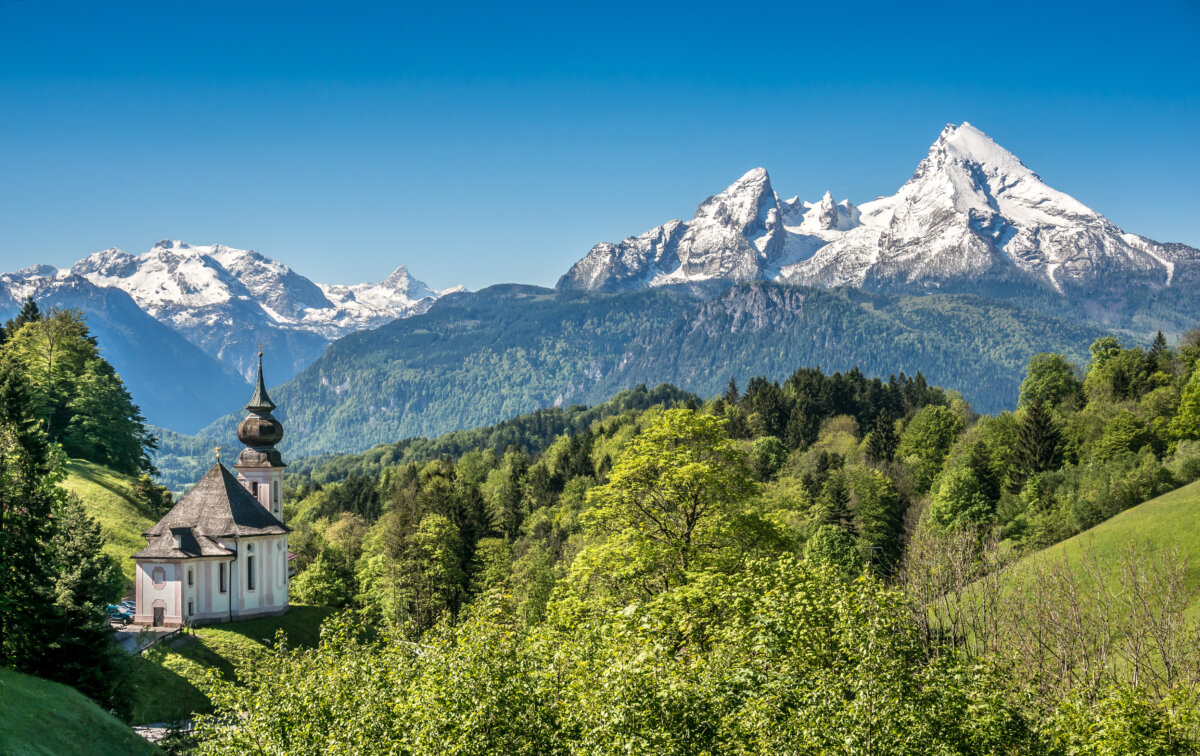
217,506
191,544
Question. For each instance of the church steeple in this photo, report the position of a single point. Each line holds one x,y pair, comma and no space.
260,402
260,431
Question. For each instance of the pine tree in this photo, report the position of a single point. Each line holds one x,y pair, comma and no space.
732,395
882,441
29,314
980,463
835,504
1154,357
28,498
86,581
1039,442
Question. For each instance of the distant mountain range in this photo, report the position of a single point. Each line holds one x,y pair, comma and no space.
973,218
219,300
969,268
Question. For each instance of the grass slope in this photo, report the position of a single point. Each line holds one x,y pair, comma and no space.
1168,521
42,717
169,678
109,497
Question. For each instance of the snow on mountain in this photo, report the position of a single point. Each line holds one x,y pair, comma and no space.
972,215
157,364
733,235
226,300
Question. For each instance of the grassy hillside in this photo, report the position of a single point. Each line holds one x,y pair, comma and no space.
41,717
109,497
169,678
1170,520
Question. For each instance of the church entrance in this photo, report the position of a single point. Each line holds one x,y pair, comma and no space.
159,616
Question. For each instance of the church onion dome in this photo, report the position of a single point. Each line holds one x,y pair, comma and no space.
260,431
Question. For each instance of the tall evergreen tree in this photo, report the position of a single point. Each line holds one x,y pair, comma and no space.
29,314
732,395
28,498
1039,442
882,441
1156,354
81,652
834,504
980,463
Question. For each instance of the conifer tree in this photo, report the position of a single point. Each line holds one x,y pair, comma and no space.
882,441
732,395
81,653
29,314
1157,357
980,464
835,504
28,498
1039,442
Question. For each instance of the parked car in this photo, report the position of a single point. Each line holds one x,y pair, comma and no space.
128,606
119,614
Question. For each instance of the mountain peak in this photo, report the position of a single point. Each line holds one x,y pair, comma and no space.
968,143
399,278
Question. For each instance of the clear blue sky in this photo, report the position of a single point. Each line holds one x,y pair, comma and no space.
482,144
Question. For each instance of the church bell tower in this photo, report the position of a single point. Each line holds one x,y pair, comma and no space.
259,466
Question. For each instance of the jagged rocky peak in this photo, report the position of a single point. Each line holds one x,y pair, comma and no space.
746,205
402,282
971,215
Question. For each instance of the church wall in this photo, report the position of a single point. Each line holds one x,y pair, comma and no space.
270,592
169,591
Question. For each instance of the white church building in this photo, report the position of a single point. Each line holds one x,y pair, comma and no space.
221,553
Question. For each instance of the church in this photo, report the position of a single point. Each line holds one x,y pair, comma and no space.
221,553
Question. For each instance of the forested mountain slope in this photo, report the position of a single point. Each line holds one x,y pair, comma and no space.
475,359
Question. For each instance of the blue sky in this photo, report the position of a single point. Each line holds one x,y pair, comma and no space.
488,143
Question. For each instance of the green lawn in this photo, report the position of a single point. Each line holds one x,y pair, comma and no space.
108,497
41,717
168,680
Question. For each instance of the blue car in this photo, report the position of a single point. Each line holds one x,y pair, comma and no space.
119,614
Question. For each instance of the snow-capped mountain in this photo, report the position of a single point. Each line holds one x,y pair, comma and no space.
176,384
226,300
972,216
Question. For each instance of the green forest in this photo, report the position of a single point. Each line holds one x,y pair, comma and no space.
830,563
805,566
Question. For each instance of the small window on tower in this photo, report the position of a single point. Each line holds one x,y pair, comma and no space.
189,575
190,611
221,578
254,488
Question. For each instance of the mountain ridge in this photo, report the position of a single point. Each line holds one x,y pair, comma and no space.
193,288
972,217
